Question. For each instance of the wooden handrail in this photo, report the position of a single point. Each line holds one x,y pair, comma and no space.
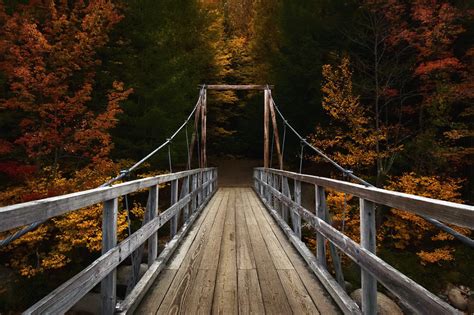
448,212
417,297
39,210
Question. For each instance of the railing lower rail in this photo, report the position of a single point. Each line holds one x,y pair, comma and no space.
273,188
197,188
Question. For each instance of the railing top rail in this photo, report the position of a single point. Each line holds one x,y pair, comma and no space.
449,212
39,210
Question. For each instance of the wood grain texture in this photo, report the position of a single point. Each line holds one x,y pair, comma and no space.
245,257
25,213
220,87
448,212
368,235
109,240
249,291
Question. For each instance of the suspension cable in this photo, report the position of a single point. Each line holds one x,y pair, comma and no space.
464,239
122,174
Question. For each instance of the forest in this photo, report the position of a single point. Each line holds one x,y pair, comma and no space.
383,87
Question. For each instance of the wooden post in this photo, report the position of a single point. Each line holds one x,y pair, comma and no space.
275,131
153,210
184,192
368,241
336,260
193,189
199,185
195,135
109,241
286,191
320,197
174,199
266,131
204,129
295,217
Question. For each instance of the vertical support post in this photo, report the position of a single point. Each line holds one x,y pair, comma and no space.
266,129
174,199
286,191
275,131
184,192
320,197
199,186
109,241
368,241
195,135
153,240
260,176
193,189
295,217
204,128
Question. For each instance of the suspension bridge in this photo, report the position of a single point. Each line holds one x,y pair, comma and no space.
229,250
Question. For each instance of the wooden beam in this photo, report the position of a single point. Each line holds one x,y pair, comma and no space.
204,129
40,210
368,241
420,299
109,241
174,200
320,197
194,137
295,217
70,292
153,213
266,131
448,212
275,132
222,87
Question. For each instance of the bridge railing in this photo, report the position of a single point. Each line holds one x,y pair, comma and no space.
197,188
273,188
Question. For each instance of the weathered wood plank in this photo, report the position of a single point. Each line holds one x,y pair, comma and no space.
40,210
323,302
132,300
273,294
174,199
66,295
245,257
204,129
153,209
347,305
320,198
220,87
266,129
368,241
449,212
295,217
109,240
157,292
250,295
403,287
298,297
225,299
275,132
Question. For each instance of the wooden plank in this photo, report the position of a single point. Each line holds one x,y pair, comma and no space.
109,240
286,191
195,133
185,191
179,294
298,297
220,87
275,132
319,295
132,300
225,293
449,212
250,295
66,295
403,287
40,210
278,255
155,295
368,241
245,257
347,305
153,240
320,198
273,294
266,130
295,217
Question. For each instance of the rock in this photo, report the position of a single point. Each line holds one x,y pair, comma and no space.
458,298
385,306
470,304
348,286
89,304
124,272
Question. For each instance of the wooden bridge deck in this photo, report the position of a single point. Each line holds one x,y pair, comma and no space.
235,259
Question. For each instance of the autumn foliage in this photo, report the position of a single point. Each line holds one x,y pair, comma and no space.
59,140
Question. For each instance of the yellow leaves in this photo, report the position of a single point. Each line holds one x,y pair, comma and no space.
436,256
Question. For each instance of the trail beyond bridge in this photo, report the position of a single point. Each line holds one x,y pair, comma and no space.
213,248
